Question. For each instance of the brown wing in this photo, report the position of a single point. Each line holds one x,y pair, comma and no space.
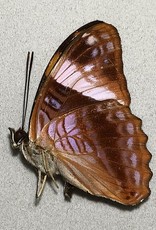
86,68
101,149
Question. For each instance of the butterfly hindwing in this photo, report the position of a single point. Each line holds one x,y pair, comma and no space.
101,149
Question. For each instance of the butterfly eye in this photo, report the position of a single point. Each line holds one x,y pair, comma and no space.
17,137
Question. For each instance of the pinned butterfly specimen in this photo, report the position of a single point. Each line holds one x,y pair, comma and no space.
81,126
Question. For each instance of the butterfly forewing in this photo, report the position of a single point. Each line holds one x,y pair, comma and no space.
86,68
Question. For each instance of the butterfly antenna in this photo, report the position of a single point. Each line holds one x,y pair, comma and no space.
29,63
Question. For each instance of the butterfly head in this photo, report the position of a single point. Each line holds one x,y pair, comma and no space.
17,137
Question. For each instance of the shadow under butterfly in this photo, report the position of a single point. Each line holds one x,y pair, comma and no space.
81,126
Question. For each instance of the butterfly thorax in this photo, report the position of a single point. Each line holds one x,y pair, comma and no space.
41,158
37,156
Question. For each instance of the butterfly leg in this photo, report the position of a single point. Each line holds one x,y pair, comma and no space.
47,168
41,183
68,190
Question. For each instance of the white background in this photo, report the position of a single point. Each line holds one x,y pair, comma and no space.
41,26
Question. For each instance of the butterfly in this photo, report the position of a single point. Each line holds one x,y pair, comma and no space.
81,126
